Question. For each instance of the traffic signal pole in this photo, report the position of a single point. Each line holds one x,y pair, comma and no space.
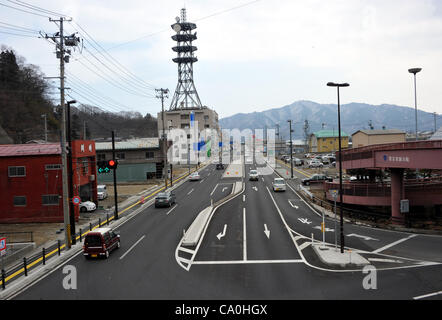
115,177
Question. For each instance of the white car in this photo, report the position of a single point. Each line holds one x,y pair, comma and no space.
194,176
315,164
253,175
278,184
87,206
101,192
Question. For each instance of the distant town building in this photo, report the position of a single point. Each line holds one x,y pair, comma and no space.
138,159
437,135
31,180
362,138
327,141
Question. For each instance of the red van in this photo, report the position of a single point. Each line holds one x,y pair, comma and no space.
100,242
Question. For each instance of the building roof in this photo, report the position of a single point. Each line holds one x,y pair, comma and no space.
329,134
380,132
142,143
17,150
437,135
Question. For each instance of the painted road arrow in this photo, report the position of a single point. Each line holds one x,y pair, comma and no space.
326,229
266,231
224,189
220,235
362,237
255,188
304,220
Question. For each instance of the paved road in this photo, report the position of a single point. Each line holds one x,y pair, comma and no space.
262,252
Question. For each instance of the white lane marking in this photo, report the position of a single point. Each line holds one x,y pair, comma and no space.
186,250
266,231
362,237
214,189
428,295
244,236
262,179
201,181
304,245
133,246
304,220
224,189
384,260
293,206
249,261
209,174
171,209
190,192
393,244
326,229
222,234
243,198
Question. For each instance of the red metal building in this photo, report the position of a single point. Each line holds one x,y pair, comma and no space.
31,180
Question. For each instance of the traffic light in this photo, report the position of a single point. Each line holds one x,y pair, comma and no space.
112,164
106,166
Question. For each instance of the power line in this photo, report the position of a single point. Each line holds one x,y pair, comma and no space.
13,26
36,8
36,14
19,35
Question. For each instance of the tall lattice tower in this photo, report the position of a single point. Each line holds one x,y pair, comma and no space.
186,96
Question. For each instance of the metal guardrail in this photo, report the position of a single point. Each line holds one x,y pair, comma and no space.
29,263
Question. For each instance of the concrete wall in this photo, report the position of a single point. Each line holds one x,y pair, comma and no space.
361,139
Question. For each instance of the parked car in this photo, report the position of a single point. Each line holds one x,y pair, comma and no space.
315,164
325,160
101,192
165,199
87,206
194,176
316,178
298,162
278,184
100,242
219,166
253,175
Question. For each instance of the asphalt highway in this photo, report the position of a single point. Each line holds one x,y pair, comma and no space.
256,246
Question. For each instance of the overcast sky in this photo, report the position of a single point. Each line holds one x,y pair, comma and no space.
253,55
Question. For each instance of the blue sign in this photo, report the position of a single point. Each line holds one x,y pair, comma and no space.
220,144
192,119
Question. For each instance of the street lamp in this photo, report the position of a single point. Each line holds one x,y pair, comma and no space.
414,71
338,85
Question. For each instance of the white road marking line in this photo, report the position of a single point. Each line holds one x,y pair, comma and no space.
184,260
304,245
293,206
244,236
190,192
214,189
304,220
262,179
428,295
266,231
201,181
243,198
249,261
384,260
186,250
171,209
133,246
362,237
393,244
222,234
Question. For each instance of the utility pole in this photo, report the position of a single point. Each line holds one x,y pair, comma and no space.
279,144
115,177
46,126
84,130
163,93
291,148
61,54
306,135
435,127
70,172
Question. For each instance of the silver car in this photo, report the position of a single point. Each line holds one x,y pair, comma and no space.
278,184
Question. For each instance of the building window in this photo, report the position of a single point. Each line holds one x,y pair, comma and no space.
53,166
50,199
85,167
121,156
101,156
19,201
150,155
184,116
16,171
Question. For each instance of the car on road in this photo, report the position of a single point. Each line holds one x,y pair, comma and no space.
165,199
219,166
278,184
194,176
87,206
298,162
316,178
315,164
100,242
253,175
101,192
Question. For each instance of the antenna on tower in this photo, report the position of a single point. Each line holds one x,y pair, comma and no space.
185,96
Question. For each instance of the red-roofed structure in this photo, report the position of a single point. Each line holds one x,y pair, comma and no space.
31,180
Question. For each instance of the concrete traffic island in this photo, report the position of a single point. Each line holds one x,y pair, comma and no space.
333,257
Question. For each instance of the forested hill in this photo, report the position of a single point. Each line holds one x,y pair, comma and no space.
25,96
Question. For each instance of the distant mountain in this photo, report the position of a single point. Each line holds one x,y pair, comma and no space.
354,117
